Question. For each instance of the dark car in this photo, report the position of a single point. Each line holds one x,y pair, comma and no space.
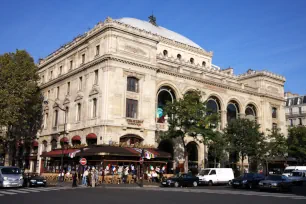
248,180
276,182
34,180
181,180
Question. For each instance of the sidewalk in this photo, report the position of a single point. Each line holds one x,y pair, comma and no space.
135,185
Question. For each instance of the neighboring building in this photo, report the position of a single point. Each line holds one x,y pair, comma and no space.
109,86
295,109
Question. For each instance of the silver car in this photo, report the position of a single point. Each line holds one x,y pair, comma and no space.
10,177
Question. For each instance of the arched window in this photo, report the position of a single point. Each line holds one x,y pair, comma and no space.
213,105
165,52
232,111
250,112
191,60
132,84
165,94
53,144
204,64
179,56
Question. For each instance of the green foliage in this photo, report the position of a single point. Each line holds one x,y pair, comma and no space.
297,143
217,148
188,117
243,137
20,98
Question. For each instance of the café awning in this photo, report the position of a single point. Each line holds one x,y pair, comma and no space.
91,136
76,138
59,152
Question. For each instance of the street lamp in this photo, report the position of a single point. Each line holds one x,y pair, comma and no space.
64,132
142,167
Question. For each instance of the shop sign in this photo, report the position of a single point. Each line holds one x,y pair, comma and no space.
134,122
83,161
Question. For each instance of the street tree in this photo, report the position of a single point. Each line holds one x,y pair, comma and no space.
189,117
243,138
20,101
297,143
217,148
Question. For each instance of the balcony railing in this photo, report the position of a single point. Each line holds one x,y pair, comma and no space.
296,113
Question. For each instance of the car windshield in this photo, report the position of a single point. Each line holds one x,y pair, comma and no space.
205,172
300,174
288,171
274,178
10,171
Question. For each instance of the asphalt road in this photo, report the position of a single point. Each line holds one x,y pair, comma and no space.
132,195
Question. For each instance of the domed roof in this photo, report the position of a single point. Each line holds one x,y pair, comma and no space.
157,30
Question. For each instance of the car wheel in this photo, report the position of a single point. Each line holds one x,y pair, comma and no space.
229,183
195,184
176,184
210,183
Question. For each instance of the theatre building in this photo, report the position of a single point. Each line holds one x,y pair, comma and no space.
105,92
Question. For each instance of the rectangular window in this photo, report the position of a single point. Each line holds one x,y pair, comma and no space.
274,114
300,110
68,88
80,83
55,118
132,84
131,108
60,70
57,92
300,121
94,108
97,50
43,79
83,58
291,122
51,75
274,125
96,76
79,112
71,64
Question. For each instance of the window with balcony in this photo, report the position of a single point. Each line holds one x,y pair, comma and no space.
274,112
132,84
131,108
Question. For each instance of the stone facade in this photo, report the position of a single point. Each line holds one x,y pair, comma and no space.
295,109
91,73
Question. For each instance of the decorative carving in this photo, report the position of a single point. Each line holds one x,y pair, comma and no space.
134,122
134,49
67,100
94,91
79,97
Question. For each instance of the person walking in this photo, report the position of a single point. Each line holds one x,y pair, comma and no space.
93,177
74,179
89,178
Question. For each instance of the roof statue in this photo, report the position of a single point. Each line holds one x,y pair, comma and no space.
152,20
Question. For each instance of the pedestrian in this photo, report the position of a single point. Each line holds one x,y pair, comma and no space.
89,178
93,179
85,175
74,179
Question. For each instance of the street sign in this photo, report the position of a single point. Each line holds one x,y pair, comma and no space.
83,161
141,160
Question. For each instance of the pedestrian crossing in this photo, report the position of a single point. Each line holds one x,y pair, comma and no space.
16,191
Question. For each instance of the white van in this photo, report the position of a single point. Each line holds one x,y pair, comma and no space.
289,169
212,176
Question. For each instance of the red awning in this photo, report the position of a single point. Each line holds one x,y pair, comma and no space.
76,138
35,143
64,139
91,136
58,152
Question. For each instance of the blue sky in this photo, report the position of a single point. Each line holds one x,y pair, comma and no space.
243,34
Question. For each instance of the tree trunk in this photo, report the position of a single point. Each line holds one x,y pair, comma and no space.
186,161
267,168
242,167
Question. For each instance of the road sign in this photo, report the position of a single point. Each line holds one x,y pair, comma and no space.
141,160
83,161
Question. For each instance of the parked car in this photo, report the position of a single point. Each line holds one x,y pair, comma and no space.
288,170
298,177
213,176
275,182
248,180
181,180
10,177
34,180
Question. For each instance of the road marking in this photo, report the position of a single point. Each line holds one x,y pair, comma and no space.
8,193
17,191
30,190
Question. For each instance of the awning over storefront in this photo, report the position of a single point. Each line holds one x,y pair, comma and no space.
58,152
76,138
91,136
64,139
35,143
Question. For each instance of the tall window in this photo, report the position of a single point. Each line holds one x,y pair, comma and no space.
94,108
66,115
291,122
97,50
83,58
51,75
96,76
71,64
57,92
132,84
191,60
131,108
55,118
300,121
274,112
60,70
80,83
79,112
300,110
68,88
53,144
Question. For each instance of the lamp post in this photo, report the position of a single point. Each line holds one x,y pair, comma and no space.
142,167
64,132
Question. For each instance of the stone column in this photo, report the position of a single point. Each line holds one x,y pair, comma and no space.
223,119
